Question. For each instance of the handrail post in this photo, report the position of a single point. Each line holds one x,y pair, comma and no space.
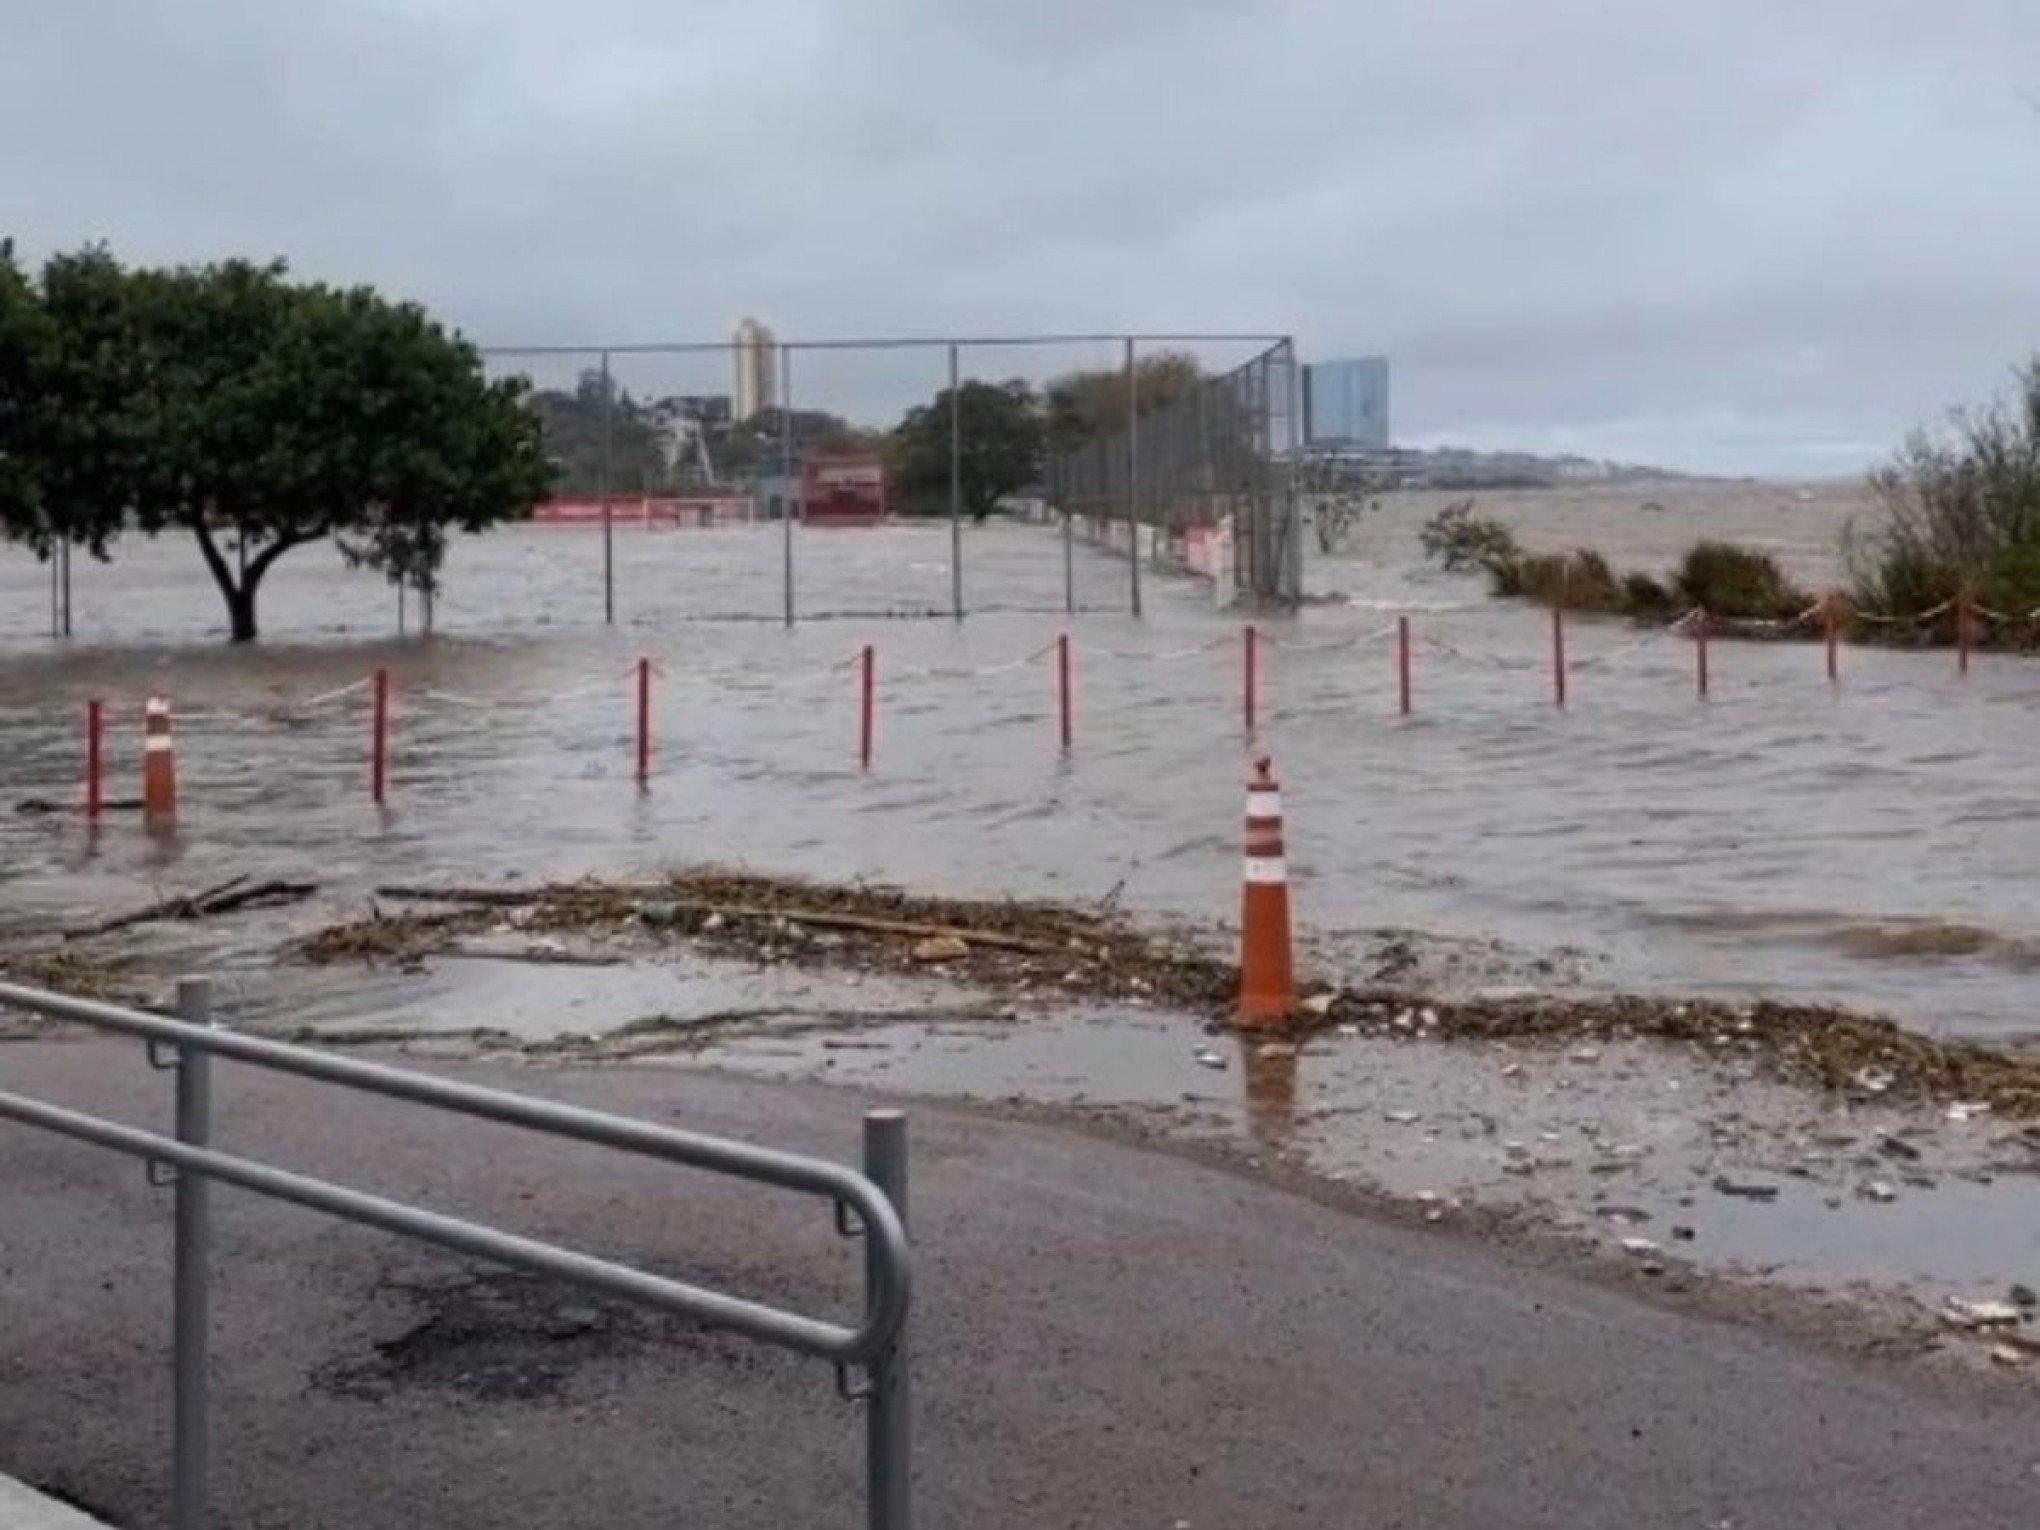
191,1414
888,1423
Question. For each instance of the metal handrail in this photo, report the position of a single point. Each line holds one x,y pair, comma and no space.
875,1344
813,1176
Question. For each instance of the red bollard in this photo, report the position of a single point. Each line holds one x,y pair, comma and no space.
870,664
1252,642
1557,655
644,721
1402,663
1700,652
95,758
379,743
159,765
1062,674
1962,631
1831,621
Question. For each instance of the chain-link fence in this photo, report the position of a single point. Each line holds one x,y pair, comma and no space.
764,450
1201,474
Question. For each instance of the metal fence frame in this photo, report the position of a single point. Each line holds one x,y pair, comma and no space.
871,1204
1145,487
1223,457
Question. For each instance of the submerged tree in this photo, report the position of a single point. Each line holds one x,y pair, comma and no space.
1000,430
260,416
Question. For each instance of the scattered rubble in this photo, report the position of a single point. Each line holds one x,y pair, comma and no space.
235,895
1958,1313
1054,951
69,971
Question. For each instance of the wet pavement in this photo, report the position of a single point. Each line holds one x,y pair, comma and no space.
1103,1335
1709,1163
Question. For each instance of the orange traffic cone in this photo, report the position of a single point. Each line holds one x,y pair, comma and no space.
1267,969
159,765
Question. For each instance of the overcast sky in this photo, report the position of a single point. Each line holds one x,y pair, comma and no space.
1741,235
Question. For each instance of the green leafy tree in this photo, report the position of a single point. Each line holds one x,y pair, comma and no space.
1003,436
1084,405
573,428
24,362
260,416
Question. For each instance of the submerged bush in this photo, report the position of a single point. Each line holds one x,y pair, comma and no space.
1646,596
1578,581
1457,540
1961,510
1738,582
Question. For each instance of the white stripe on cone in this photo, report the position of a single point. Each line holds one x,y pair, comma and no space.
1264,804
1267,870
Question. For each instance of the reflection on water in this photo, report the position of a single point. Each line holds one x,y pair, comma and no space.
1872,842
1270,1077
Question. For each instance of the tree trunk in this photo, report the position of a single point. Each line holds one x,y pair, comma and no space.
239,594
241,613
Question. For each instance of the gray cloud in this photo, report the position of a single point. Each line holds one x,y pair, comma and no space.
1754,234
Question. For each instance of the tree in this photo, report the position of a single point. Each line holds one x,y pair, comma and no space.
227,400
24,361
573,427
1002,444
1084,405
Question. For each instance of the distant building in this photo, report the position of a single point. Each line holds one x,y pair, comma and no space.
1345,403
756,384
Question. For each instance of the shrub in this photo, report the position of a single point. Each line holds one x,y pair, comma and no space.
1738,582
1578,581
1646,596
1456,540
1961,509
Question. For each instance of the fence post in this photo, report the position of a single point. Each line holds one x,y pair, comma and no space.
869,664
1700,650
1062,676
1250,699
1133,472
1962,634
1832,622
955,487
1402,663
889,1422
608,522
644,721
191,1308
1558,654
379,742
95,759
786,471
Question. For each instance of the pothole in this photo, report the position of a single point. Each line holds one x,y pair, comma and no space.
504,1336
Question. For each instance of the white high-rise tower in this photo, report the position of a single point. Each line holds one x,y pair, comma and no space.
756,385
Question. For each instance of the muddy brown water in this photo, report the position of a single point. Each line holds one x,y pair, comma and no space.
1873,843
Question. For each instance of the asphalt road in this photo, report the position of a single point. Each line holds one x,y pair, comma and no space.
1104,1336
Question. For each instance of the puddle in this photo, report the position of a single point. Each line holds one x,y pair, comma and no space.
1720,1168
547,1002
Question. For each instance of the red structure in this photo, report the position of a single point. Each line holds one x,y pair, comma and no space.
844,488
660,514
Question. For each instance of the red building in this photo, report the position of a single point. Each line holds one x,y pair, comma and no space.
844,488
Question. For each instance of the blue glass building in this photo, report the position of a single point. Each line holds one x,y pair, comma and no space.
1345,403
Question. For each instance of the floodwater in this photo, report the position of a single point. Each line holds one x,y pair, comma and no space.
1871,843
1704,1159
